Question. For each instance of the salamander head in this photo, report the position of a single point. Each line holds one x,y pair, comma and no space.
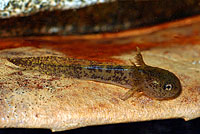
155,82
160,84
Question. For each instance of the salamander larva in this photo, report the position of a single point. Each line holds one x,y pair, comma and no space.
153,82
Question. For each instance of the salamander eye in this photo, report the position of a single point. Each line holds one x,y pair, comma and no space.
168,87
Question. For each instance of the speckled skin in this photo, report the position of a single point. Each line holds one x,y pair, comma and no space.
153,82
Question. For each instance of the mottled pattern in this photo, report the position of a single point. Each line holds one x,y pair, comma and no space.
152,81
69,67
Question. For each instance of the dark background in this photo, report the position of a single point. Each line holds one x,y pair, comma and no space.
108,17
171,126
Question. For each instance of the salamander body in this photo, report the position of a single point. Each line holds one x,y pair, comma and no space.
153,82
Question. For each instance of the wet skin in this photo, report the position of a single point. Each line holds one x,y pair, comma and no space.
153,82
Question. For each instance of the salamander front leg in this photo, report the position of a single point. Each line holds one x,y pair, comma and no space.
129,93
139,58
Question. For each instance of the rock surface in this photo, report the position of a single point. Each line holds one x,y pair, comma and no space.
32,100
9,8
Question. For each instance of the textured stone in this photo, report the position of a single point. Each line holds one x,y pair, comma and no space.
10,8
